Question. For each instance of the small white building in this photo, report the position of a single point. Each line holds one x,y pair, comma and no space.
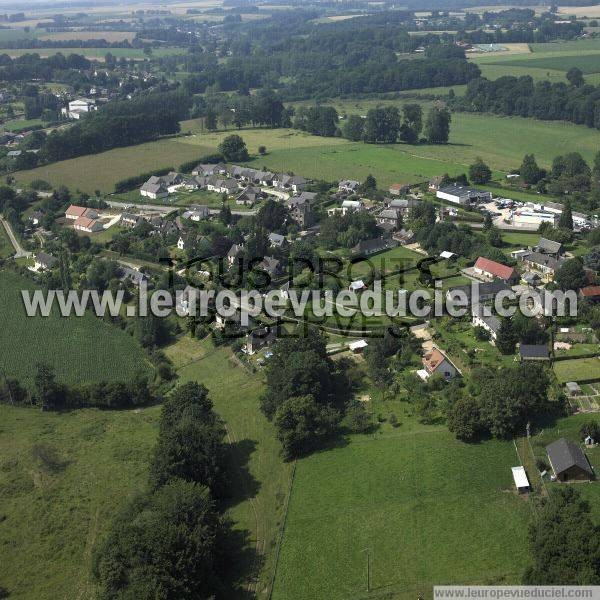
533,219
352,206
78,108
357,286
520,479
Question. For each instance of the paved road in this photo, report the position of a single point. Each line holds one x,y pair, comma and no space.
20,252
168,209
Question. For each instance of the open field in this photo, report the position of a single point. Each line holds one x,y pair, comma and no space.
587,63
261,479
21,124
81,350
577,370
94,53
334,158
428,508
109,36
56,512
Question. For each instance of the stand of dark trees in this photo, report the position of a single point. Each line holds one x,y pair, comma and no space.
119,124
50,394
31,66
172,540
521,96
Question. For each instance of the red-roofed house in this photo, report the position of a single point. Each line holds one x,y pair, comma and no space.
437,363
491,268
591,293
87,225
75,212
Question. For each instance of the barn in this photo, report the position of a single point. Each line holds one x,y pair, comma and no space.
568,461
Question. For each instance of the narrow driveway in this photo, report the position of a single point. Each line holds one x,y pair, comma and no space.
20,252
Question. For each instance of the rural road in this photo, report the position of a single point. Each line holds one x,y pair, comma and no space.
168,209
20,252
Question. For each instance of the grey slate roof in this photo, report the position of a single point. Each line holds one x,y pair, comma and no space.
548,246
485,289
564,454
542,260
46,260
534,351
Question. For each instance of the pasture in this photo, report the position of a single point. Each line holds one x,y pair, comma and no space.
81,349
332,159
62,477
260,479
428,508
578,369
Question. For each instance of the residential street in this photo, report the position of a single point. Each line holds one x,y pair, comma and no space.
20,252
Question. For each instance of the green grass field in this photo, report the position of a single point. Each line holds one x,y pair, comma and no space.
81,350
55,512
587,63
428,508
334,158
577,370
21,124
261,480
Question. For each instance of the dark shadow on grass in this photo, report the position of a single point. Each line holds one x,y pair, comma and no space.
241,483
241,563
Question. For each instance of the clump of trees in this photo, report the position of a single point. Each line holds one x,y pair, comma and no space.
564,542
233,149
387,125
172,539
500,403
306,395
349,229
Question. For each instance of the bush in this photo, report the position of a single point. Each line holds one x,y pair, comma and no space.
208,159
129,183
541,464
40,185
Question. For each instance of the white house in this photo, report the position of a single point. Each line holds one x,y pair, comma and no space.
351,206
75,212
437,363
87,225
78,108
491,324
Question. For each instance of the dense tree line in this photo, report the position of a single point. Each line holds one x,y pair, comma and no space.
31,67
172,541
50,394
521,96
118,124
564,542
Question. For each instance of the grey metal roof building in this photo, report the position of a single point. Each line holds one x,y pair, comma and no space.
568,461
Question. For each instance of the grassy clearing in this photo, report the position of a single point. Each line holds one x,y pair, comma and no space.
55,512
587,63
577,370
261,479
21,124
81,350
407,498
102,171
567,46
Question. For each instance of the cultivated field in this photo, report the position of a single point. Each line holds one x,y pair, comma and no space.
81,350
62,477
109,36
549,61
428,509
